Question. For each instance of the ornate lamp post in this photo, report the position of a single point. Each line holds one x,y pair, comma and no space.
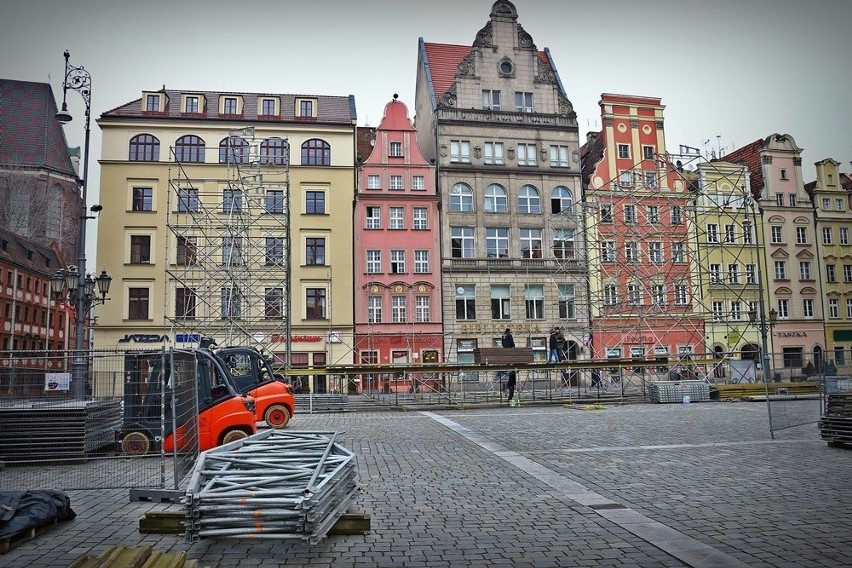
80,80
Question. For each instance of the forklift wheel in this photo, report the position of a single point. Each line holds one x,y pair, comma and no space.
277,416
135,444
233,436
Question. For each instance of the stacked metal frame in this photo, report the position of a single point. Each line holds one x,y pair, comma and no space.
275,484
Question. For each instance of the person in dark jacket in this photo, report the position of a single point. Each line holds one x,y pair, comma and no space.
508,341
553,346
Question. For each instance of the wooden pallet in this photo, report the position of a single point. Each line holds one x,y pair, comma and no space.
10,542
134,557
741,390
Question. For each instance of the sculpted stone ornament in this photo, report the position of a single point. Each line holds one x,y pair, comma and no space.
484,37
543,72
524,39
449,98
467,66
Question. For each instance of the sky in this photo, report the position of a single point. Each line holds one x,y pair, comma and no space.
729,72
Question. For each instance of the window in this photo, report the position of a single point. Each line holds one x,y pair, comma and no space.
187,200
233,150
808,307
804,270
730,233
144,148
374,218
306,107
274,151
396,182
779,199
500,303
678,252
460,151
563,244
610,295
496,200
267,107
418,183
232,201
631,251
140,249
751,273
826,236
143,199
736,310
466,302
793,200
561,200
528,200
775,236
229,106
625,179
658,295
530,243
316,152
647,152
634,295
421,262
783,173
844,235
494,153
374,182
780,270
374,309
847,272
748,233
830,273
655,252
461,242
187,251
185,303
838,205
152,103
652,213
461,198
801,235
395,150
833,308
650,179
397,218
681,295
630,214
826,204
526,155
559,157
490,100
523,102
839,358
315,251
137,303
190,149
676,218
715,273
718,311
608,251
275,201
232,251
399,309
497,242
315,202
422,309
567,298
849,309
421,218
231,303
712,233
273,303
623,151
733,273
397,260
315,299
534,300
606,213
374,262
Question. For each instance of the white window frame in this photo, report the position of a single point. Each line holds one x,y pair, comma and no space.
374,261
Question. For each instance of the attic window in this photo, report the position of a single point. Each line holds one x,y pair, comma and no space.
153,103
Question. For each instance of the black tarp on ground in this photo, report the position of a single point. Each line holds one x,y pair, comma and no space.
22,510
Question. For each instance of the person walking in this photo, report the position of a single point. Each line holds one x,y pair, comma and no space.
508,341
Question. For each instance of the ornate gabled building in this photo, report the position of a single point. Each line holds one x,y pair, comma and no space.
497,120
397,252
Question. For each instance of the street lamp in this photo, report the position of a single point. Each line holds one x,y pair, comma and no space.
80,80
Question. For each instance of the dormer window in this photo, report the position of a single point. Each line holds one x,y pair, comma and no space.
152,103
230,106
268,107
306,108
191,105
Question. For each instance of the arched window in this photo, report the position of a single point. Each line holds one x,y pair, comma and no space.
495,199
561,200
233,150
529,200
144,148
461,198
274,151
316,152
189,148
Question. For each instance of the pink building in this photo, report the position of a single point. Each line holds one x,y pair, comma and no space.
397,255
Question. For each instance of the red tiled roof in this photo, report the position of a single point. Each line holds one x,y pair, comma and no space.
26,254
590,155
748,155
330,109
30,135
365,137
443,61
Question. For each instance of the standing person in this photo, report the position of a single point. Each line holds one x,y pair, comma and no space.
561,345
553,346
508,341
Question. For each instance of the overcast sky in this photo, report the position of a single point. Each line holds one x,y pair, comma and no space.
729,71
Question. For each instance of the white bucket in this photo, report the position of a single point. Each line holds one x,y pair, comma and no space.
686,399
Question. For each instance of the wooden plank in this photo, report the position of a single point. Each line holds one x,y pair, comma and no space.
13,541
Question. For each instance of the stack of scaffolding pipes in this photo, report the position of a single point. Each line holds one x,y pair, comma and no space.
275,484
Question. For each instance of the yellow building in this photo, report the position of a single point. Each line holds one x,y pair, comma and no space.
222,214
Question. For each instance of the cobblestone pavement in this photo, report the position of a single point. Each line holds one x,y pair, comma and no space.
637,485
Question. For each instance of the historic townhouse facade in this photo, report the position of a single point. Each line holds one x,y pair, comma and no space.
497,120
224,213
830,194
397,252
789,240
640,259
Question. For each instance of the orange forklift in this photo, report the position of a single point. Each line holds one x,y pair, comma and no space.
253,376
